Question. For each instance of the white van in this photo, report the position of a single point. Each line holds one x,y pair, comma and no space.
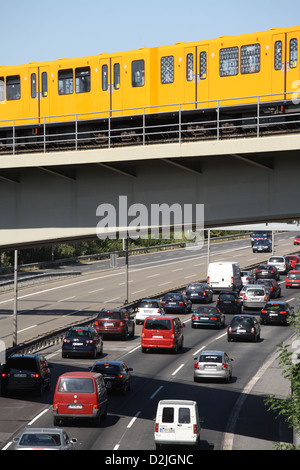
177,422
224,275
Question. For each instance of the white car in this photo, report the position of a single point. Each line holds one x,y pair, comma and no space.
247,277
255,296
280,263
147,308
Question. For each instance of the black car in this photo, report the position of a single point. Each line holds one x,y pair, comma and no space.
267,271
116,374
208,316
272,287
26,372
243,327
82,341
276,312
262,246
176,302
115,322
199,292
229,302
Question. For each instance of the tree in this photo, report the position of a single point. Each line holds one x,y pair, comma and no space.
289,360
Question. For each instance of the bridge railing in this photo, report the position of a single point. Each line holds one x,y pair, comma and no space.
247,116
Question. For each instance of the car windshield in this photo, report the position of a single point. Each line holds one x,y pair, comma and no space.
149,304
21,363
157,324
294,276
210,358
79,334
196,287
40,440
110,314
76,385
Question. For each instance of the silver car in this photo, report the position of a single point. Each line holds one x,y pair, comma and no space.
44,439
213,365
255,296
247,277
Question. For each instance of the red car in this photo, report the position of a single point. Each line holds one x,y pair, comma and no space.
292,259
293,279
297,240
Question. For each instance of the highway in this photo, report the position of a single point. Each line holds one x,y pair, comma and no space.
129,424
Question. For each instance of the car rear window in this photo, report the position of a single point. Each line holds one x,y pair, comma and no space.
76,385
149,304
174,296
223,297
196,287
255,292
168,414
106,368
110,314
79,334
241,322
157,324
210,358
40,440
274,307
277,259
21,363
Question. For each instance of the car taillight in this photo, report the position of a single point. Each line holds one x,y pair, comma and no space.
252,330
266,297
34,376
213,318
283,312
272,270
67,340
121,323
207,279
264,311
194,317
232,280
156,427
224,366
204,293
163,303
230,329
245,297
195,428
196,365
89,341
180,303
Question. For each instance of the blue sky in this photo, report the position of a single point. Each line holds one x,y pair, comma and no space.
40,31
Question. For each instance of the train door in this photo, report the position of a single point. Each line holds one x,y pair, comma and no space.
190,85
34,106
44,98
202,78
278,66
110,86
292,64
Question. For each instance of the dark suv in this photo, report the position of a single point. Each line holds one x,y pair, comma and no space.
116,321
25,372
229,302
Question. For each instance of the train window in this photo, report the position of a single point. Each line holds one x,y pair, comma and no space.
2,89
33,85
229,61
203,65
138,73
13,88
189,67
167,69
250,59
104,77
278,55
44,84
293,53
116,76
83,80
65,82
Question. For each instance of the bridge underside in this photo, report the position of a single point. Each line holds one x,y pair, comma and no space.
53,197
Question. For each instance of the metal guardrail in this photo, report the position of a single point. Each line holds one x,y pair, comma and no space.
179,128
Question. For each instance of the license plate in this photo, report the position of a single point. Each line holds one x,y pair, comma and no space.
209,367
226,302
166,429
108,324
20,375
75,407
157,336
273,314
203,318
241,331
194,295
77,344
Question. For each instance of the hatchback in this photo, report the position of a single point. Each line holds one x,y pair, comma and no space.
176,302
25,372
115,322
82,341
280,263
146,308
229,302
276,312
243,327
267,271
199,292
213,365
293,279
272,286
116,375
255,297
208,316
44,439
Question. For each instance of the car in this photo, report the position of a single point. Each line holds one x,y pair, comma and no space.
229,302
208,316
292,260
276,312
116,375
162,333
297,240
115,322
26,372
82,341
262,246
267,271
280,263
44,439
176,302
243,327
255,297
272,287
199,292
260,235
247,277
212,365
242,292
292,279
146,308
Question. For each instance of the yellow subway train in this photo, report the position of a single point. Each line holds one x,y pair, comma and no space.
198,75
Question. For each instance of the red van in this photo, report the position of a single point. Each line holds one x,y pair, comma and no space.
162,332
80,395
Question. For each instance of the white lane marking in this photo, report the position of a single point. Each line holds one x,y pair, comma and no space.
38,416
67,298
28,328
178,369
156,392
133,419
